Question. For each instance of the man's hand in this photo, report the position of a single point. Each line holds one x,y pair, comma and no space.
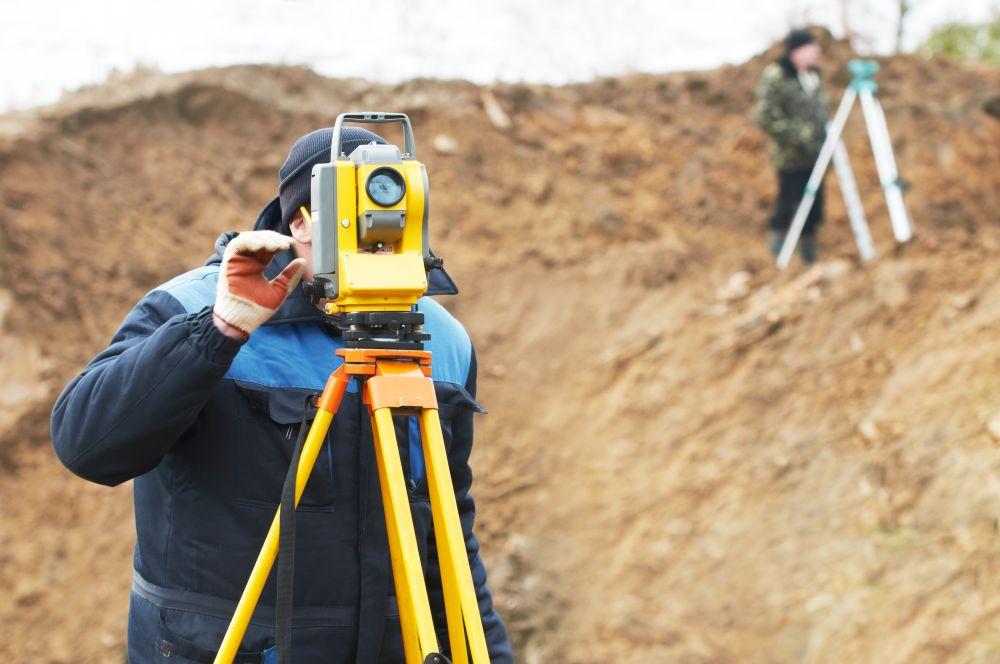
244,299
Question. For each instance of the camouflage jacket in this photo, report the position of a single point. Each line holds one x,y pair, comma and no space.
794,119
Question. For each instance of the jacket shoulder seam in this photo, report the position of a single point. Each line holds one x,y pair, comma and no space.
185,288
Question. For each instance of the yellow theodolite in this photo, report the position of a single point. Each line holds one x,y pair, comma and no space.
370,261
369,210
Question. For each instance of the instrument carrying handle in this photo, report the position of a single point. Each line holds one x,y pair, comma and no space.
373,117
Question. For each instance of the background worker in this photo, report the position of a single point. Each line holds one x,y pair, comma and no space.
791,109
198,398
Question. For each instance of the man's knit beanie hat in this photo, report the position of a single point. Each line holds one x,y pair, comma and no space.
796,38
313,148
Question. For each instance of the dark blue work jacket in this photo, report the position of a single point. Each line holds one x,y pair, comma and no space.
205,425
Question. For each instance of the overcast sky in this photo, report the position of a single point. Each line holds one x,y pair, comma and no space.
47,46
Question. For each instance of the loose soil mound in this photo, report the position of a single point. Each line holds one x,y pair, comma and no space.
689,456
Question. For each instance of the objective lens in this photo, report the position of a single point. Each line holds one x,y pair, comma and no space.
385,186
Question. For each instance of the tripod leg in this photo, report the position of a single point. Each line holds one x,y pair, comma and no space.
419,639
885,163
822,162
464,619
901,225
855,211
327,404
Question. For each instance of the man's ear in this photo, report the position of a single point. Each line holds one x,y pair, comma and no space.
301,229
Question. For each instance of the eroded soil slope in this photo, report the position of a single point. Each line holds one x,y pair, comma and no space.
688,457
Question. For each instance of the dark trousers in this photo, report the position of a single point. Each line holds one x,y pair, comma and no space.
791,188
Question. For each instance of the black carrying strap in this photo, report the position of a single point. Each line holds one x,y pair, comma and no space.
286,548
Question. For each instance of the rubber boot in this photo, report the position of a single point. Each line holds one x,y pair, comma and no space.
809,249
775,239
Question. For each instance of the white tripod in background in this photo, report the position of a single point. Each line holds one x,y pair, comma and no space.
862,86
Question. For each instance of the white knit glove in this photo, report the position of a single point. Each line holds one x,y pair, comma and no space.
244,298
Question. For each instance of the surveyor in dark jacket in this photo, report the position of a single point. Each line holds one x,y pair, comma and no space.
198,399
791,109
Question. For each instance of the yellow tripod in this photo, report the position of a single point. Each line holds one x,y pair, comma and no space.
392,382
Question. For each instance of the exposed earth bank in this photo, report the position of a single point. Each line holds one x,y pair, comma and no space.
689,456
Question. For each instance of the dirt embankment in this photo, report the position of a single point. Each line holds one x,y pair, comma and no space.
689,456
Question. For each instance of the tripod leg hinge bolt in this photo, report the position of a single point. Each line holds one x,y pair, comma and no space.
435,658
